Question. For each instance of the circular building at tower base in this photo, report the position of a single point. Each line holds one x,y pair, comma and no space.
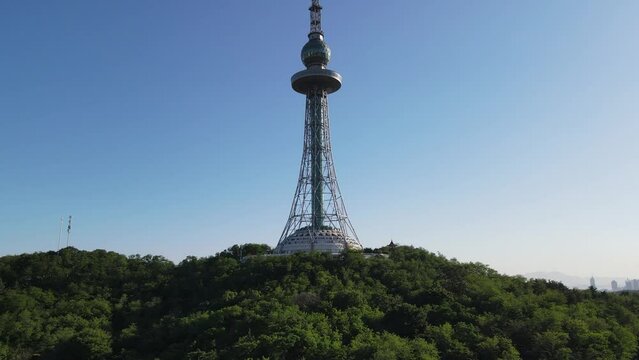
328,240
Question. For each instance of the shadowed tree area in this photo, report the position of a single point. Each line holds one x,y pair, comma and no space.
75,304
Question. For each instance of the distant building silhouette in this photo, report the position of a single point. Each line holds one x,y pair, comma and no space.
592,282
614,285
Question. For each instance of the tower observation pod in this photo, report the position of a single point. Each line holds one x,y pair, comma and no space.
318,220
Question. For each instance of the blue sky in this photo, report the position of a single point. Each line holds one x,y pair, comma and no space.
494,131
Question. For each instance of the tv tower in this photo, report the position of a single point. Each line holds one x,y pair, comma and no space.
318,219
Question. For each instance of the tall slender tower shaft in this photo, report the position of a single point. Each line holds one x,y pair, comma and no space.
318,220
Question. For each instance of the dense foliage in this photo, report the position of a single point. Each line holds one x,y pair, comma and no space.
412,304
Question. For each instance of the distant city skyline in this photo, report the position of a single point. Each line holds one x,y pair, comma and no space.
506,132
583,282
630,285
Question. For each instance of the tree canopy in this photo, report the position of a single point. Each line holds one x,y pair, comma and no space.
240,304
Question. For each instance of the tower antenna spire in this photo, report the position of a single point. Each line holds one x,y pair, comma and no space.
316,17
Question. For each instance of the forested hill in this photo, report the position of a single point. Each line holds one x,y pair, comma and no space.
75,304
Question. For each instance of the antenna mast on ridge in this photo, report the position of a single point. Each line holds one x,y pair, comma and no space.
69,231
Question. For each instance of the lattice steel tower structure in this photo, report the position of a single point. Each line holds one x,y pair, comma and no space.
318,219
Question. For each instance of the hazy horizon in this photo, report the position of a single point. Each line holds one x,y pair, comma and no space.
492,132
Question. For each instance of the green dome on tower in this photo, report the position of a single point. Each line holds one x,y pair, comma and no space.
316,52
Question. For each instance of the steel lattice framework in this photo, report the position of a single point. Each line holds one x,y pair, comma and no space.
318,220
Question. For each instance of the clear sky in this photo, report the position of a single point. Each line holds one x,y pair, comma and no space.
503,132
